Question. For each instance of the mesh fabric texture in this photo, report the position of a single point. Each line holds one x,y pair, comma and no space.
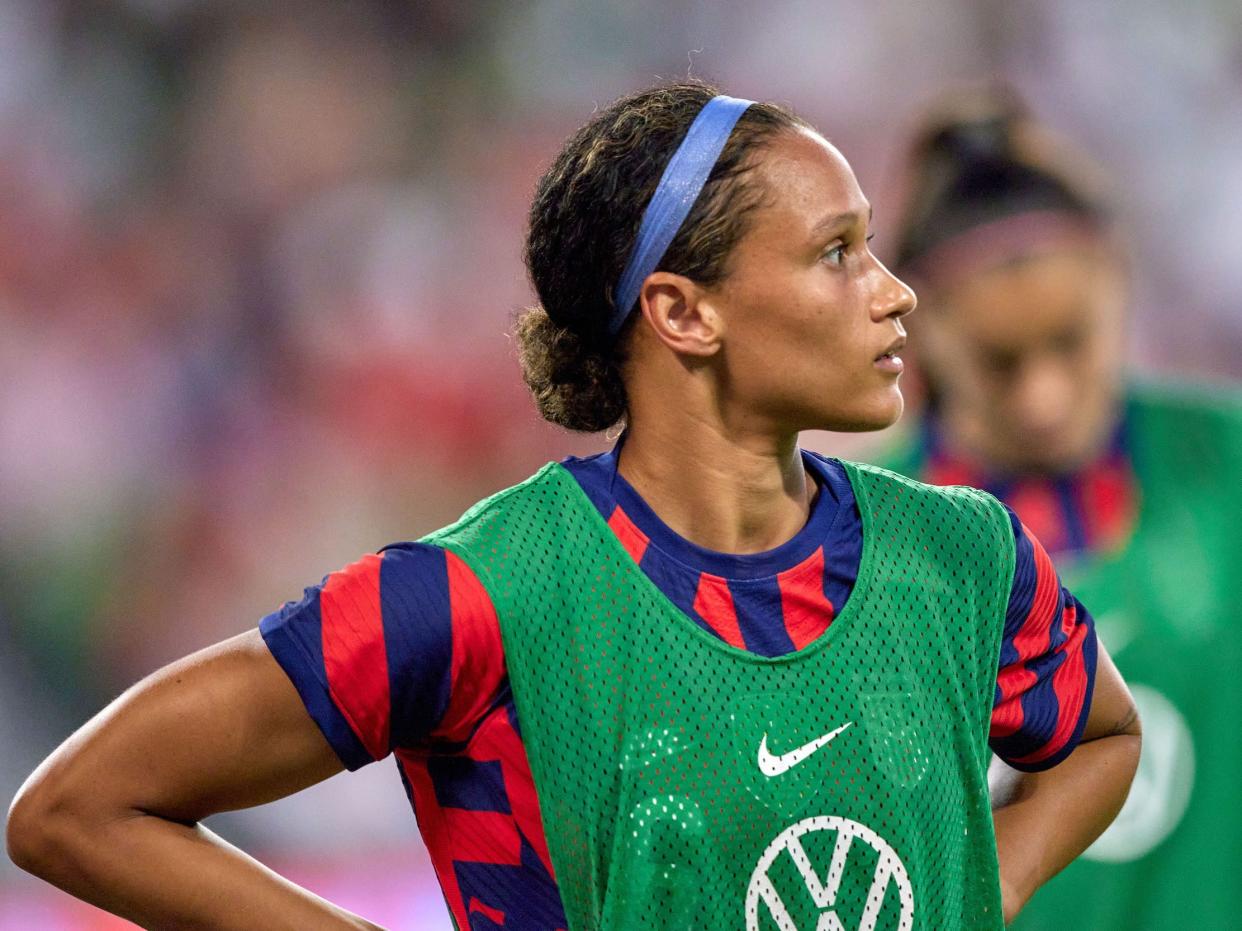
686,784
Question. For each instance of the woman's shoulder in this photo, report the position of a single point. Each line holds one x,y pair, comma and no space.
495,509
891,481
943,511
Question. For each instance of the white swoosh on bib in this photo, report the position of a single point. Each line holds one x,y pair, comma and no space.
771,765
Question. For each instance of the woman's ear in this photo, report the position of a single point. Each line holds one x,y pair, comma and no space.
681,314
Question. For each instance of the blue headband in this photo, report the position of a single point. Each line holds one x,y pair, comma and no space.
679,188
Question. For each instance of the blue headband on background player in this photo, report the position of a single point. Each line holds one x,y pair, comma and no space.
676,193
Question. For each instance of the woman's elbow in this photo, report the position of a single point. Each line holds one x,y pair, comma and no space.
44,820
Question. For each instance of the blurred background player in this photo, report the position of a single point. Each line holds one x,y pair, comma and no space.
1133,487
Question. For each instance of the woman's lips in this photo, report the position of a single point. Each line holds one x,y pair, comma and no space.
890,363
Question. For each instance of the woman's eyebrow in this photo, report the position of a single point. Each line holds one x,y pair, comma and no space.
841,221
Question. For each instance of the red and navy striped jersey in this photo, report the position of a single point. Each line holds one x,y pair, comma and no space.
401,653
1091,509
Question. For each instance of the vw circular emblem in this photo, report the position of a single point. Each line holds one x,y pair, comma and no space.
824,881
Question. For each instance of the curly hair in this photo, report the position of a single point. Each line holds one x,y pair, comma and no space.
583,223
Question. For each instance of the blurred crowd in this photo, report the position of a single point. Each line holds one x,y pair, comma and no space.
257,263
234,307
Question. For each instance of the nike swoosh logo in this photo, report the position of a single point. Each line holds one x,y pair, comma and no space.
771,765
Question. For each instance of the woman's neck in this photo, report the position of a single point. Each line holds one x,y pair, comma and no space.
723,491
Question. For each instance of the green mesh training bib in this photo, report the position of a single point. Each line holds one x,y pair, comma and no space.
686,784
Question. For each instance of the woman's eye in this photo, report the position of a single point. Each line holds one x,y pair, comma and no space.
835,255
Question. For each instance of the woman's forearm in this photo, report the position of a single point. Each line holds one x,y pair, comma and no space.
163,874
1045,820
114,815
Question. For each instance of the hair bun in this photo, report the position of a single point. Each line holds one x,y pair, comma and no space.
981,156
573,385
979,126
974,141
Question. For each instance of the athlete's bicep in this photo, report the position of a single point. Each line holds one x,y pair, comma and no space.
1046,674
1112,706
332,649
219,730
391,651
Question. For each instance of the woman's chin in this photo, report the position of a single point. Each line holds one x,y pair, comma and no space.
884,414
868,420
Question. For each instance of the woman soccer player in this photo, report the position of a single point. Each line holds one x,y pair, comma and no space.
1133,487
706,680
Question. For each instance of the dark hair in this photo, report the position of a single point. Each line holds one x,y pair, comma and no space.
982,157
583,224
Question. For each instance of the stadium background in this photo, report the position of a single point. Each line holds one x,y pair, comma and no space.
257,262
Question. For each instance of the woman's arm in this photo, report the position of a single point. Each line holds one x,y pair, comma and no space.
113,815
1044,820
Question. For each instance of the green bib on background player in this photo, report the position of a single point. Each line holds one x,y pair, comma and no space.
686,784
1168,610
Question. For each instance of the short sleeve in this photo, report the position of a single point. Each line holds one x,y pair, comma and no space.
1047,664
387,650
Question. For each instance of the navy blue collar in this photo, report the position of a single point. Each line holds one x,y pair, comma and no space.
608,489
